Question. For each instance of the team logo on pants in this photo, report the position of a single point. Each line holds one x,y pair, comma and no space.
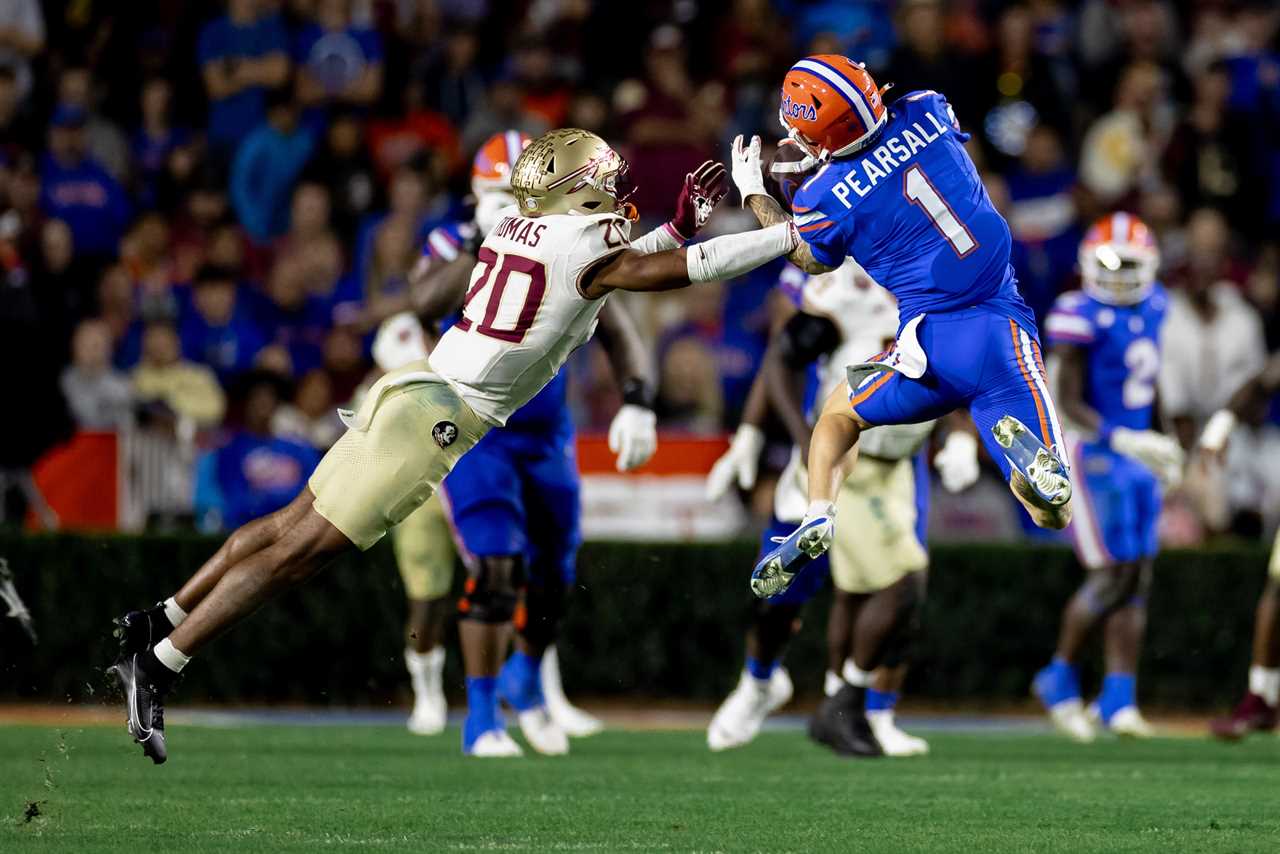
445,433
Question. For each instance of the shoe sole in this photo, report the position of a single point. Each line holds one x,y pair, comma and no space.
152,746
1025,453
781,566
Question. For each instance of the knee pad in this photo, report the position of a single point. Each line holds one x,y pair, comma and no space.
544,606
492,592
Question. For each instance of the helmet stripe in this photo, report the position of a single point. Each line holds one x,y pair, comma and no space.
1120,227
513,147
843,85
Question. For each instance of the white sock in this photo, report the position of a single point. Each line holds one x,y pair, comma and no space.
170,656
173,612
854,676
832,684
1265,682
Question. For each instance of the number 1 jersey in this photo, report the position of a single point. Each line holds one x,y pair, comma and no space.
523,314
911,209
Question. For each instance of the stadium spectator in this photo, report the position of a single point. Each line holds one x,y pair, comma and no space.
76,189
217,327
242,56
104,141
61,283
266,166
923,60
21,39
503,109
17,132
343,165
255,472
157,143
97,394
1216,338
190,390
452,82
1120,149
413,134
310,417
339,63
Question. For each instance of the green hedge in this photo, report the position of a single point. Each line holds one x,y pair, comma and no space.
657,620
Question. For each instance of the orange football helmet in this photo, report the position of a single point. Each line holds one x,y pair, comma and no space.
491,168
831,106
1119,260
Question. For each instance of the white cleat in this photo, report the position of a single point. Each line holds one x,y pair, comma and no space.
740,716
1070,719
430,711
495,744
542,732
894,741
574,721
1127,722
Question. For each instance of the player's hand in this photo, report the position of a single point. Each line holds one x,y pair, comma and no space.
1217,432
738,463
1160,453
702,191
957,462
633,436
747,171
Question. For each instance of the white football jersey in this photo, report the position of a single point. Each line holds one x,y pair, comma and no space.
523,313
866,315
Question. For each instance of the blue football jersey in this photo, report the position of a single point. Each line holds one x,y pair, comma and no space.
1122,352
911,209
548,411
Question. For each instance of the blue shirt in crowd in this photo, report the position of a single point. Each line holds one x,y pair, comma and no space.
88,199
222,40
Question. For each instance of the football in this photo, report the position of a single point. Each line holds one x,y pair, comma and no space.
789,167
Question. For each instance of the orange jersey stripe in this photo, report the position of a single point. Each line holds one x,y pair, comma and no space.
1045,435
816,226
871,389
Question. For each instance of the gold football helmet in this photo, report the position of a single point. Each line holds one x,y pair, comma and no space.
571,171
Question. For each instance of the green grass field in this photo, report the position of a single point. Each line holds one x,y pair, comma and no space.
378,788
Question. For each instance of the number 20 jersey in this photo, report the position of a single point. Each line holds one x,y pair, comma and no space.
911,209
523,314
1122,347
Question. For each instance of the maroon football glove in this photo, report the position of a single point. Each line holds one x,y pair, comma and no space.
702,191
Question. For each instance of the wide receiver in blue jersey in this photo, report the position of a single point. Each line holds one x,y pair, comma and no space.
1104,356
896,191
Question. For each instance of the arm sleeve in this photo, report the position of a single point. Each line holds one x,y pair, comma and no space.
661,239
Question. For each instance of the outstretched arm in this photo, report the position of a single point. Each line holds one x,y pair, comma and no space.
749,178
1252,394
633,433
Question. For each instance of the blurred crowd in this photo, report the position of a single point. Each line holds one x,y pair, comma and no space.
205,206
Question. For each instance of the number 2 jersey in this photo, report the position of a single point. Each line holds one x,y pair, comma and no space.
911,209
523,314
1122,352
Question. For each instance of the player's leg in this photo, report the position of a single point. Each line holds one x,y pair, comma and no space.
1259,711
140,630
881,560
425,556
765,685
373,477
483,497
1017,420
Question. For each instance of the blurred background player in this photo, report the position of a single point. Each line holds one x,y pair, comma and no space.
424,551
1104,360
897,190
514,500
1259,710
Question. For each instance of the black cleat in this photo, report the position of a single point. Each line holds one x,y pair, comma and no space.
138,631
144,702
841,724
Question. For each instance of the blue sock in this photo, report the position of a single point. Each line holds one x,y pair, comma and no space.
880,701
520,682
1058,682
1118,690
482,708
760,669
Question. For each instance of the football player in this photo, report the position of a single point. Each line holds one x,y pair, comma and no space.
897,190
1104,358
878,562
514,499
1260,708
544,273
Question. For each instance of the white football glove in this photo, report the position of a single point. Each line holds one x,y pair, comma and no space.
1217,431
747,171
633,436
738,463
957,462
1160,453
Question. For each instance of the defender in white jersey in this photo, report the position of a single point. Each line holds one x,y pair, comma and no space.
877,566
534,297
